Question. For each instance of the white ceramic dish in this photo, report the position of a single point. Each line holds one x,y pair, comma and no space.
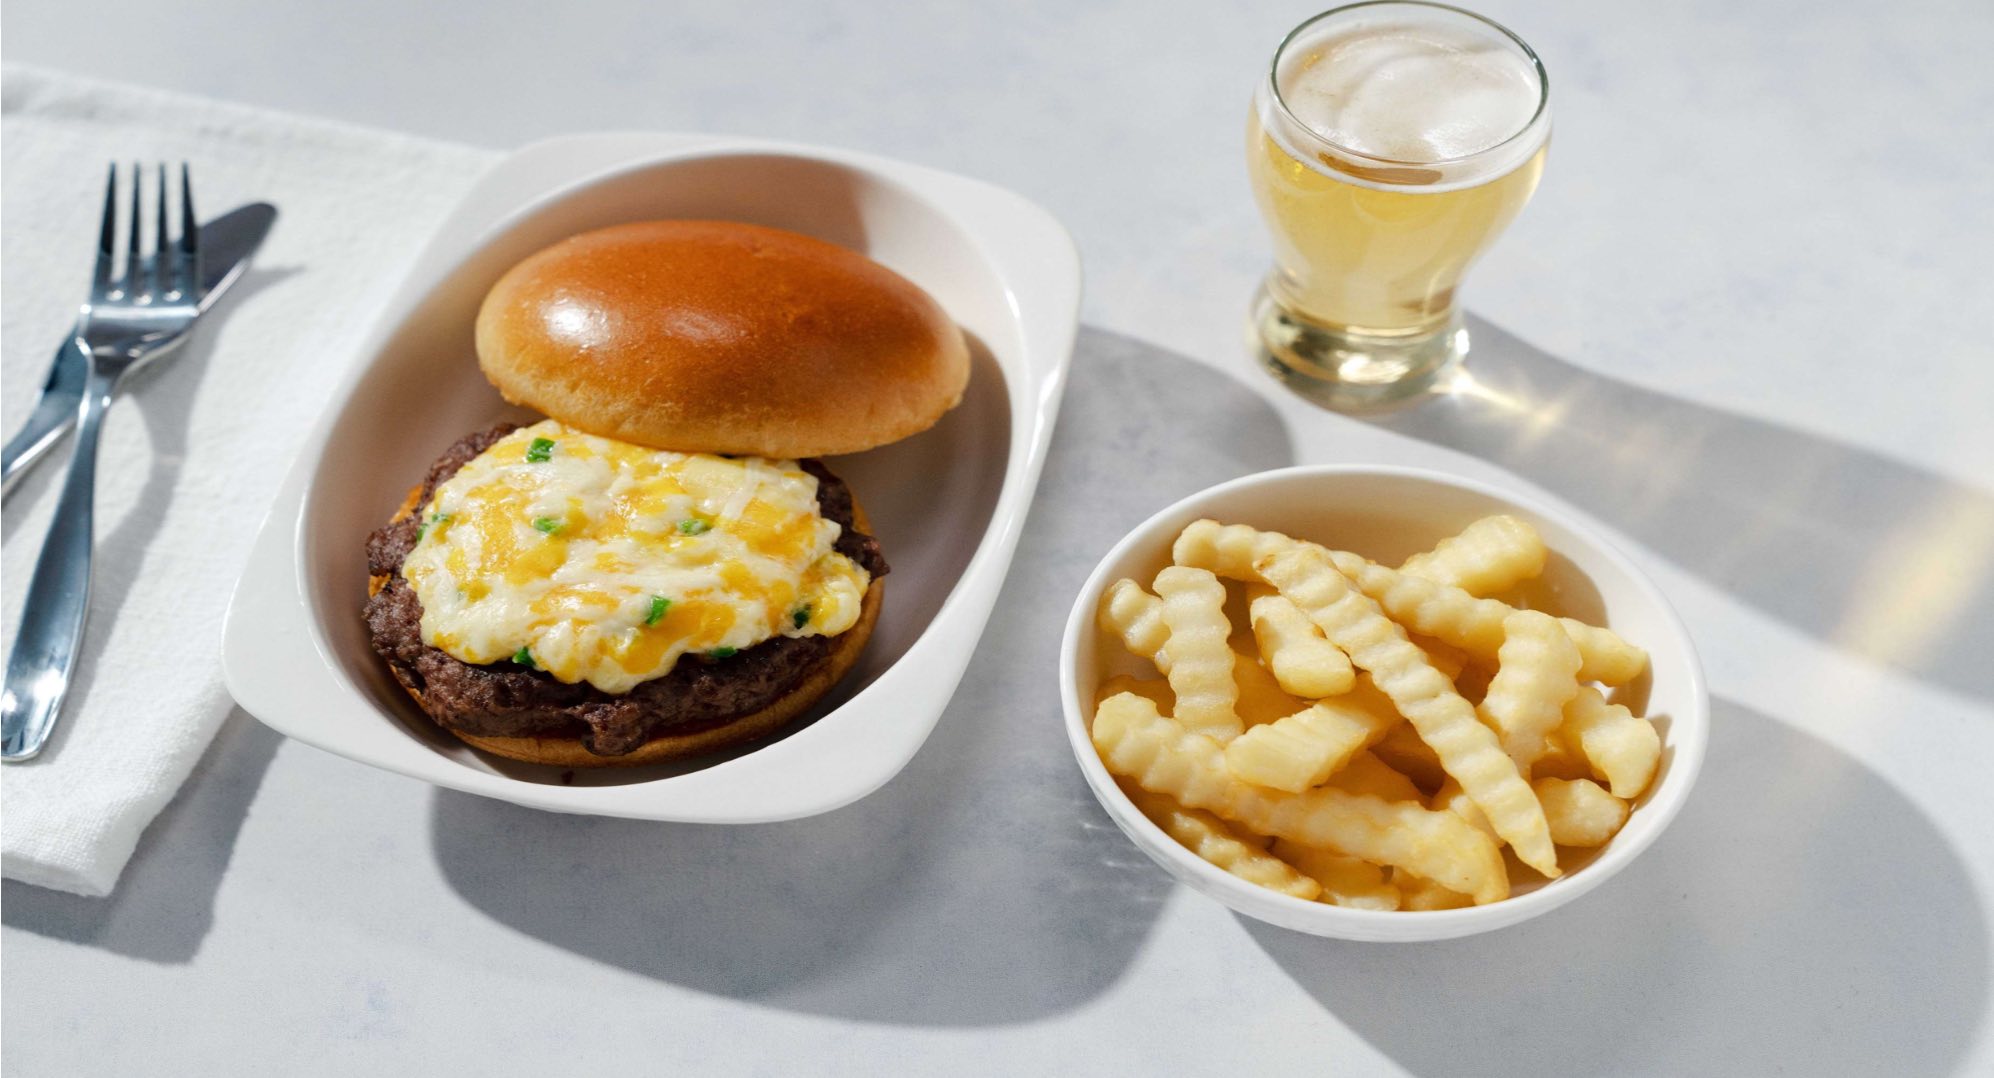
947,504
1389,514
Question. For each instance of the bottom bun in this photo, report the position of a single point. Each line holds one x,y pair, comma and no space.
570,752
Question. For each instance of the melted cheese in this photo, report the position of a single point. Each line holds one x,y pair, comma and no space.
604,562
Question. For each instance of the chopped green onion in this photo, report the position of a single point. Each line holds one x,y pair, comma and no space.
434,518
723,653
659,604
524,658
547,524
540,450
694,526
801,616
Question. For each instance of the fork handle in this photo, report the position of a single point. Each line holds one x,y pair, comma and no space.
51,633
55,412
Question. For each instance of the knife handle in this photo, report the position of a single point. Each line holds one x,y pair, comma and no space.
54,414
44,656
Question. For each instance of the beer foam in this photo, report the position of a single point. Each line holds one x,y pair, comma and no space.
1412,91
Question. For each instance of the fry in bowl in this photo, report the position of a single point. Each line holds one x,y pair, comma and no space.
1341,759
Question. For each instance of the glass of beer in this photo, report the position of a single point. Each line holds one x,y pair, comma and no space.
1389,146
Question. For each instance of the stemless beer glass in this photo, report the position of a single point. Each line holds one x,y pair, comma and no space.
1389,146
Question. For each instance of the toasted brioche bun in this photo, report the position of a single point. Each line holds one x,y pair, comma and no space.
720,337
570,752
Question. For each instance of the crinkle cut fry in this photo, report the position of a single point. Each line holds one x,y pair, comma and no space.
1458,618
1135,617
1219,844
1201,658
1230,550
1581,812
1536,676
1158,754
1616,744
1303,662
1303,749
1487,556
1423,606
1468,750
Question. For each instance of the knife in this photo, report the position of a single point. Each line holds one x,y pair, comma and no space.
226,244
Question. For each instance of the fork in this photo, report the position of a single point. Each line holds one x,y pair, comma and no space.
127,318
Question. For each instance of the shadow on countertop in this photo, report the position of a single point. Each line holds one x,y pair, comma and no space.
164,902
1866,553
1712,952
983,885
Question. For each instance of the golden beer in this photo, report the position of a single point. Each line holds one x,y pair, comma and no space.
1389,147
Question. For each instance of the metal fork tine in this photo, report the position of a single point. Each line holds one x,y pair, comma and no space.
190,238
162,246
107,238
134,263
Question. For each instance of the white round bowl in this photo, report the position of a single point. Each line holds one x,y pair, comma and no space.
1388,514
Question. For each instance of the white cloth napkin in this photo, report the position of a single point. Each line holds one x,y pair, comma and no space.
194,450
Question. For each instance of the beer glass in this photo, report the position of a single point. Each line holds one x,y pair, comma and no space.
1388,147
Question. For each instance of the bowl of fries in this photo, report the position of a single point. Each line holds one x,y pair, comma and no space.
1381,703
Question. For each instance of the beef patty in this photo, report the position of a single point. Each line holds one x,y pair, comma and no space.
507,700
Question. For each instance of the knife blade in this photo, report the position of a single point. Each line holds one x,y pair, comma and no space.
227,242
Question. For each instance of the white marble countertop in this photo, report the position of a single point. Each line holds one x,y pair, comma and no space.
1743,325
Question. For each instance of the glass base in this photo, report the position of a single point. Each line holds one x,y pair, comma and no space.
1351,372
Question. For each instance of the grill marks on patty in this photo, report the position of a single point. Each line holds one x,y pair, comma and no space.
505,700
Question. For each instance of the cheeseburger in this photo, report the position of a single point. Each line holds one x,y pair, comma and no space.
661,566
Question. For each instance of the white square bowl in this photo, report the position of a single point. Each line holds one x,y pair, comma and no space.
947,504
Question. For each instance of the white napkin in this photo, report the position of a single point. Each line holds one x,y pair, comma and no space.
194,450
